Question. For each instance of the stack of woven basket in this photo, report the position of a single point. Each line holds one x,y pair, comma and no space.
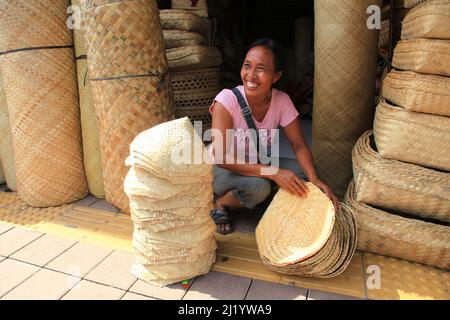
410,171
193,65
170,192
305,237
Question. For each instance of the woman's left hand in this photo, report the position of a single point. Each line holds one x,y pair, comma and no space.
327,190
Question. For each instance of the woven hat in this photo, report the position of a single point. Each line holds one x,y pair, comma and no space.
423,55
418,92
398,185
392,235
412,137
183,20
180,38
428,20
193,57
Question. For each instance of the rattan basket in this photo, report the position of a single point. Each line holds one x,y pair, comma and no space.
6,148
391,235
423,55
183,20
179,38
413,137
398,185
418,92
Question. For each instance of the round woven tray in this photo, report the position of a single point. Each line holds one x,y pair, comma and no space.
6,148
423,55
413,3
193,57
183,20
428,20
397,185
179,38
418,92
392,235
413,137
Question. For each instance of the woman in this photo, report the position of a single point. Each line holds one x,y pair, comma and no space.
238,184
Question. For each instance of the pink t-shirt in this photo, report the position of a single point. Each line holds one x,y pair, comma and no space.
281,113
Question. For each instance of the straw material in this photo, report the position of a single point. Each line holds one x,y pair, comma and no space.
178,38
78,34
428,20
413,3
397,185
345,69
131,94
412,137
200,8
423,56
418,92
8,173
395,236
183,20
193,57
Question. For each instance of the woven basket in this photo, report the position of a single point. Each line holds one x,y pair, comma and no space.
423,56
413,3
412,137
429,20
183,20
133,93
193,57
392,235
178,38
345,69
397,185
6,149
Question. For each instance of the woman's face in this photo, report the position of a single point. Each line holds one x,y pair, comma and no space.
258,72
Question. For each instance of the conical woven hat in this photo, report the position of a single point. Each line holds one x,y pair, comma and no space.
293,228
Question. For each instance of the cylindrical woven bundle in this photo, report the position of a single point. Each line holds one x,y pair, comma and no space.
413,137
183,20
391,235
198,7
398,185
344,90
423,55
41,93
131,94
193,57
429,20
6,148
413,91
413,3
179,38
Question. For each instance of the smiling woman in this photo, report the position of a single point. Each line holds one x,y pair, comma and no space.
256,107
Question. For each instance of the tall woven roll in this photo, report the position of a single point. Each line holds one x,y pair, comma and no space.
6,148
344,86
41,93
129,79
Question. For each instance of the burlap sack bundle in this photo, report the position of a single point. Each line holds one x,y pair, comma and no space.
398,185
413,137
39,81
429,20
388,234
193,57
183,20
129,79
180,38
7,171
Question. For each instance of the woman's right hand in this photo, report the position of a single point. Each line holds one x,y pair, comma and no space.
289,181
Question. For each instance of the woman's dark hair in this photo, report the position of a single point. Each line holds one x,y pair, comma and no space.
276,49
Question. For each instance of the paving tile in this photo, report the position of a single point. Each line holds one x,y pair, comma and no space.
43,250
12,273
263,290
320,295
5,227
86,202
134,296
16,239
115,271
218,286
86,290
2,258
171,292
43,285
79,259
104,205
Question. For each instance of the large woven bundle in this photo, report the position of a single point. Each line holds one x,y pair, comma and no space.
198,7
413,137
183,20
345,71
41,93
193,57
179,38
429,20
413,3
423,55
129,79
397,185
8,173
389,234
418,92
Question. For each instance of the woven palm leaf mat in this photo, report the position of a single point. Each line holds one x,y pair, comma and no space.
237,253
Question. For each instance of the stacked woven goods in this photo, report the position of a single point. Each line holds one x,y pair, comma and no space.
193,64
39,82
305,237
170,200
199,7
